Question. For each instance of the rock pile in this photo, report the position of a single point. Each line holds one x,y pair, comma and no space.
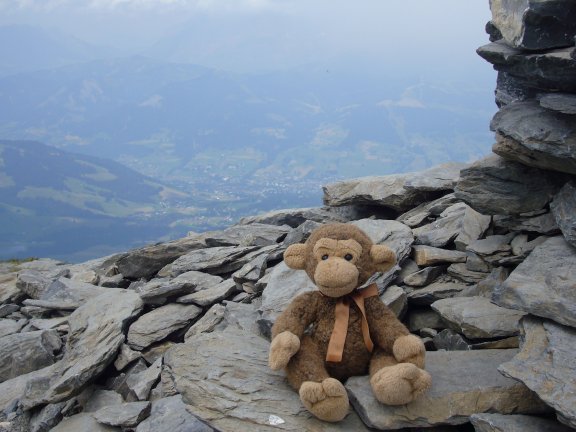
173,336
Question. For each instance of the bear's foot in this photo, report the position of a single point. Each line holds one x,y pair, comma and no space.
400,384
327,400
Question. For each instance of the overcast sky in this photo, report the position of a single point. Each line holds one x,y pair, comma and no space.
406,30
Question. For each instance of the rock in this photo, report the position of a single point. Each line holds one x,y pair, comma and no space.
424,318
247,277
183,284
535,25
486,287
510,89
564,103
463,383
82,422
141,383
147,261
451,341
124,415
462,273
476,263
159,323
99,398
433,292
515,423
522,247
535,136
255,234
225,379
563,208
68,294
395,298
408,267
13,390
214,260
240,316
48,324
208,322
48,417
96,334
421,213
428,255
170,414
301,233
442,231
542,224
7,309
119,383
546,364
399,192
8,327
551,70
211,295
21,353
474,226
495,185
543,284
296,217
395,235
425,276
126,357
32,283
492,248
156,351
477,317
284,285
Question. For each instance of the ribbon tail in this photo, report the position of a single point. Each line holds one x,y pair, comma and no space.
338,337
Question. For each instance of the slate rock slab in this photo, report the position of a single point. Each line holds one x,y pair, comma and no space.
9,326
124,415
434,292
159,290
444,229
171,415
393,234
428,255
478,317
214,260
255,234
296,217
495,185
82,422
515,423
563,207
421,213
546,364
463,383
225,379
561,102
543,284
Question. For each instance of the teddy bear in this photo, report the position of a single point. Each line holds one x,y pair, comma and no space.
343,329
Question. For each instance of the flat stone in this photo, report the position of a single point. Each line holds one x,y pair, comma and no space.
535,136
159,323
474,226
141,383
563,208
156,351
124,415
82,422
250,273
396,299
96,334
9,326
449,340
541,224
208,322
211,295
159,290
561,102
444,229
7,309
535,25
543,284
428,255
491,245
510,89
32,283
171,414
93,399
21,353
476,263
225,379
393,234
463,383
296,217
495,185
240,316
546,364
119,383
214,260
255,234
421,213
48,323
486,287
433,292
424,318
462,273
399,192
553,70
47,417
125,357
477,317
67,291
425,276
515,423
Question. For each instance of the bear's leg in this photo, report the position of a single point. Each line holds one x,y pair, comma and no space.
323,396
396,383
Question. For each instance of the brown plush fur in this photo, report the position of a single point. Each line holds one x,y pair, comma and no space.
396,362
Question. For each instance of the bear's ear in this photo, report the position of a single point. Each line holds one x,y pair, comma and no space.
383,257
295,256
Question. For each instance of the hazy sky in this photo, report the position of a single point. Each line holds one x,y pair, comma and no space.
288,31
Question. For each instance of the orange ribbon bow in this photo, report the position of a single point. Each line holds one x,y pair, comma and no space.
342,315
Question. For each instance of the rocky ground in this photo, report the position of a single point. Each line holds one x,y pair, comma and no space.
174,336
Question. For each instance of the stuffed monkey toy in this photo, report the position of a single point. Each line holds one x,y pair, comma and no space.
325,336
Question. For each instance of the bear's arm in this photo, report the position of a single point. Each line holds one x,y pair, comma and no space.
298,315
385,328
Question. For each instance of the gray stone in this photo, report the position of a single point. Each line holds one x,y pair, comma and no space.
125,357
208,322
7,309
495,185
159,323
124,415
301,233
421,213
461,272
225,379
296,217
425,276
561,102
444,229
433,292
563,207
171,415
13,390
48,323
543,284
154,352
493,247
551,70
240,316
119,383
68,292
474,226
424,318
395,235
32,283
395,298
96,334
48,417
255,234
463,383
476,263
21,353
9,292
140,384
399,192
510,89
449,340
542,224
535,136
408,267
515,423
8,327
94,398
157,291
428,255
214,260
546,364
211,295
82,422
251,272
147,261
477,317
487,286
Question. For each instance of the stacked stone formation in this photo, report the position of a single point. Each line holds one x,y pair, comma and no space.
174,336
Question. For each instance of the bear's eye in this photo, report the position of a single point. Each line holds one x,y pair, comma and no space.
324,257
348,257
